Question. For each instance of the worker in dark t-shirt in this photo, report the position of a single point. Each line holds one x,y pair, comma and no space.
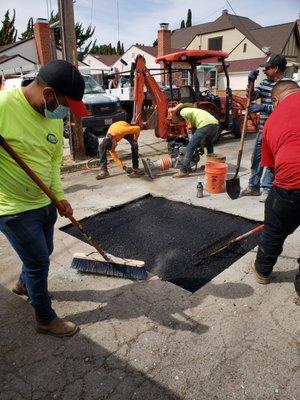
281,152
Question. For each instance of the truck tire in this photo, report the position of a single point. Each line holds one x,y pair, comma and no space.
237,126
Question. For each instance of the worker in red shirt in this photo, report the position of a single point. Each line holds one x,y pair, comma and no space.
281,152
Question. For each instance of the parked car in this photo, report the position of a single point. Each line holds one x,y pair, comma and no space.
103,109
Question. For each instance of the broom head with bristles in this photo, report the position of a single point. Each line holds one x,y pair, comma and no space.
94,263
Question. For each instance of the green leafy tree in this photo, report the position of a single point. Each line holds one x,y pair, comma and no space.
105,49
29,30
8,32
182,25
82,36
155,43
189,18
119,48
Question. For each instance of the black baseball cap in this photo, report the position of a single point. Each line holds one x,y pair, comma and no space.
276,60
64,78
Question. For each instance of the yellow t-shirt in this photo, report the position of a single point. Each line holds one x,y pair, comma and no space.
198,118
121,128
38,141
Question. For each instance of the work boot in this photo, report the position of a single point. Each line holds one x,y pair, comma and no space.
58,327
250,191
180,174
262,279
20,289
102,174
264,196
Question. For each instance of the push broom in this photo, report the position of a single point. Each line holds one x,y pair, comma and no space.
98,262
216,248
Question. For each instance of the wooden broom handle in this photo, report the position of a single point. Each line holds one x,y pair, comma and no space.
29,172
49,193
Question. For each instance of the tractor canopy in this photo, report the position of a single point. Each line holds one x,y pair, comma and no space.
194,56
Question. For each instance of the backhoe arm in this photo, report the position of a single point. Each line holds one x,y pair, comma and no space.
142,77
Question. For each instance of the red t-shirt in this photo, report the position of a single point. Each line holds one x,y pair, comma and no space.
281,143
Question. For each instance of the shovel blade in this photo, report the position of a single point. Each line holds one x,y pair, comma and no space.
233,188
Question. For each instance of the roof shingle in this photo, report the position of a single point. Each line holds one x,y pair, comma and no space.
182,37
107,59
275,36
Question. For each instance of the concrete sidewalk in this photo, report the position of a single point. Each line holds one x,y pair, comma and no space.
233,339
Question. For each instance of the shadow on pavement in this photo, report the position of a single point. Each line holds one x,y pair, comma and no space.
151,299
41,367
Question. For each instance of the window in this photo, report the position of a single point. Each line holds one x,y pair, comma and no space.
215,43
212,79
185,77
245,48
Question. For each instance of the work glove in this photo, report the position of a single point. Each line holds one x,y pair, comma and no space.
128,170
253,74
255,108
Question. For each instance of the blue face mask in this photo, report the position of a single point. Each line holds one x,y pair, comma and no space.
60,112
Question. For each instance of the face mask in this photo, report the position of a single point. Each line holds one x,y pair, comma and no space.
60,111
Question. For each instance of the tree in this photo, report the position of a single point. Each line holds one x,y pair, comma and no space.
189,18
29,30
119,48
182,25
155,43
82,35
8,32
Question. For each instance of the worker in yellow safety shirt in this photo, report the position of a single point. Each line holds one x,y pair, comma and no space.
116,132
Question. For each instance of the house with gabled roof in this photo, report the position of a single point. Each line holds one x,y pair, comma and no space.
101,61
247,43
123,63
26,55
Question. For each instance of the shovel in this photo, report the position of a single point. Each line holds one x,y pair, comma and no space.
233,187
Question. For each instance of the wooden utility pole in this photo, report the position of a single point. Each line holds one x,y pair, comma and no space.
69,49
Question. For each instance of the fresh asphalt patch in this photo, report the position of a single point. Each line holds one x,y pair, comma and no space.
165,234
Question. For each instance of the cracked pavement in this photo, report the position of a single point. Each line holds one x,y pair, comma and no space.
231,340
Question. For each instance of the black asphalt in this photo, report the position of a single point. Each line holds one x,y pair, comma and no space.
165,234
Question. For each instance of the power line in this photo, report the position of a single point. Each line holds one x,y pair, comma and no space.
118,20
48,14
92,11
231,7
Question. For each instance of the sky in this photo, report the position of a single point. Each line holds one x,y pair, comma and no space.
139,20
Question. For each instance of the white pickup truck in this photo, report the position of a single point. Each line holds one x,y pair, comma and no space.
124,91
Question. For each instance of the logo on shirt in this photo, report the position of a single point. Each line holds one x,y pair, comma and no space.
52,138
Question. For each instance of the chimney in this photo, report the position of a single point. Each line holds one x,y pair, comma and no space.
163,45
43,41
163,40
224,12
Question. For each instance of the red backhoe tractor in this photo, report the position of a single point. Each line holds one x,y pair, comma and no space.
228,110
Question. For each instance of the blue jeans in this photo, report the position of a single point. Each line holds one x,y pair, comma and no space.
31,235
202,137
256,179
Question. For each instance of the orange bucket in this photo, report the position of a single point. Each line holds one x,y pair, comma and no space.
215,174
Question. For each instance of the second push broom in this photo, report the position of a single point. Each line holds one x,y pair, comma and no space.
98,262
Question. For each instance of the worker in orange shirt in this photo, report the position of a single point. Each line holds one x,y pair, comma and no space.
116,132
